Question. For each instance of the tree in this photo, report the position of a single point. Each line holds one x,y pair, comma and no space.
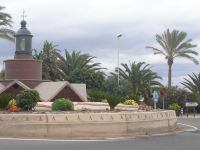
50,56
6,20
174,45
193,85
37,55
111,86
175,95
141,78
78,64
94,80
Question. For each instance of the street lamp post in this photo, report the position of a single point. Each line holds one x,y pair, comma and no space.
118,37
4,71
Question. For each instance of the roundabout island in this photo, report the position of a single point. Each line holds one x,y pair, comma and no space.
23,78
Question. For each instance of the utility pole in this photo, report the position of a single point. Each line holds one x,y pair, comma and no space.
118,37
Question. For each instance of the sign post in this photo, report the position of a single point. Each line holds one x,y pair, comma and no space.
162,94
155,98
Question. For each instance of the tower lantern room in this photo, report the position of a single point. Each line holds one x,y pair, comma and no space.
23,42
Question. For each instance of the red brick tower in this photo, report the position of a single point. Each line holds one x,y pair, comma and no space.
23,66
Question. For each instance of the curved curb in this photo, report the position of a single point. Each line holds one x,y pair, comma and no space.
102,139
191,128
90,140
51,140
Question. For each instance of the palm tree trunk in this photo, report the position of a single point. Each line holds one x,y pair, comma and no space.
169,76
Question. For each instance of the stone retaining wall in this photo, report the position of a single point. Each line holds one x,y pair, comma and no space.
76,125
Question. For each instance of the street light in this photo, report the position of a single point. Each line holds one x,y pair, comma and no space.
4,71
118,37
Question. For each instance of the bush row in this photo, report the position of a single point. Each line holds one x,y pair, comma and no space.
26,100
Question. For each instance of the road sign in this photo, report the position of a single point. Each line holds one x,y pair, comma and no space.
155,96
191,104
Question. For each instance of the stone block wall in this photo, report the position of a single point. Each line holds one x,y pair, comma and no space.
87,125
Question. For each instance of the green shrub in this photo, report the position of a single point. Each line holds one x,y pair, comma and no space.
113,100
27,99
174,106
4,100
96,96
62,104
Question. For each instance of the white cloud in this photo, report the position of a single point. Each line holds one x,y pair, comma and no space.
92,26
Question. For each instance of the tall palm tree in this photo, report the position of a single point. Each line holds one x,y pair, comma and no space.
141,78
75,63
193,83
50,56
5,21
174,45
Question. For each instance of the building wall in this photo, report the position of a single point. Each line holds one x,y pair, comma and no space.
23,69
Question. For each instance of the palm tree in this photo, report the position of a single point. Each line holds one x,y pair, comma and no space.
141,78
6,20
37,55
77,63
193,84
50,56
174,45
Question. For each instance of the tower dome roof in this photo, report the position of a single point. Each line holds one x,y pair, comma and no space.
23,30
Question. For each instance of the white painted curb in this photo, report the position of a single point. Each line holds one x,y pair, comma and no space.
48,140
192,128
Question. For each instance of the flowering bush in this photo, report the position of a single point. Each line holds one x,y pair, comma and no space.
175,107
145,107
12,102
12,106
131,102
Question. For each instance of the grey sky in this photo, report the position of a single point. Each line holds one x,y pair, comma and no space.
92,26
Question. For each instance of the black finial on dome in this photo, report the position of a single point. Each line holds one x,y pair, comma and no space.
23,22
23,30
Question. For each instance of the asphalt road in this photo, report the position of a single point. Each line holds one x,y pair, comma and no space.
181,141
191,121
